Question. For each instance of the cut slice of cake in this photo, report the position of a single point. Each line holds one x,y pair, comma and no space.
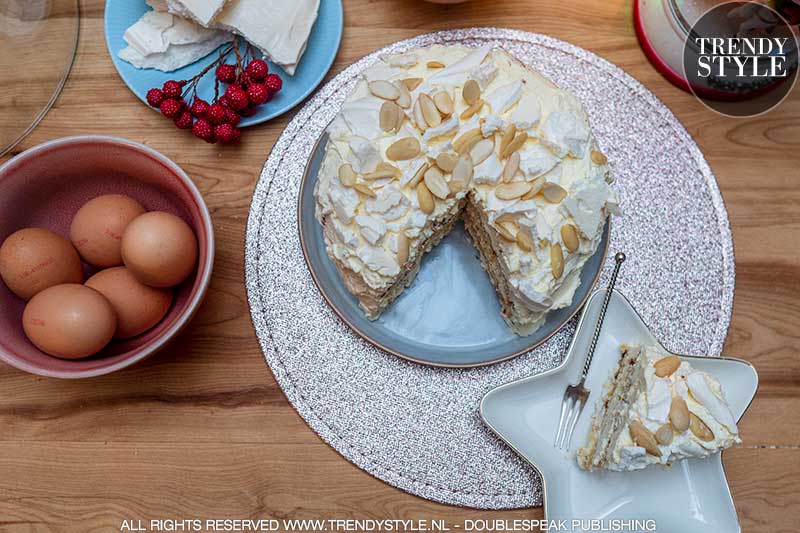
657,409
435,134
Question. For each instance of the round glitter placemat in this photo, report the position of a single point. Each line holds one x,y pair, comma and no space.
417,427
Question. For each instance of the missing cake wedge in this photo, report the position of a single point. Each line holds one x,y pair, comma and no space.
657,409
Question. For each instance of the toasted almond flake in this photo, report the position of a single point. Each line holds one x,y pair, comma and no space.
570,237
700,429
471,110
511,191
536,187
364,189
667,366
379,174
556,260
418,175
404,100
644,437
664,435
679,414
467,139
507,217
389,116
506,230
463,170
553,192
524,241
514,145
481,151
411,83
444,103
508,135
383,89
383,165
447,161
403,149
403,248
426,202
512,167
429,111
456,187
435,64
471,92
419,117
598,157
434,180
347,175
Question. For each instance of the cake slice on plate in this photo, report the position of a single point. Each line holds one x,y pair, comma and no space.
657,409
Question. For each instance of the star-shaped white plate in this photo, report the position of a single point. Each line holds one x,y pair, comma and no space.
691,495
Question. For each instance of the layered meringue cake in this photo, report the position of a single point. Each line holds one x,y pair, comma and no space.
657,409
441,133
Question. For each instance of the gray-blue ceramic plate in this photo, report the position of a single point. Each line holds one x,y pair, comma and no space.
450,315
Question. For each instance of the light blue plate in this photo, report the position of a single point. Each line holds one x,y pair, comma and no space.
323,44
450,315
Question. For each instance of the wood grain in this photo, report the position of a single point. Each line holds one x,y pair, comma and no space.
202,430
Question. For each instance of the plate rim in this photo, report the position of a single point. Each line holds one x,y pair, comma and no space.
246,121
563,364
325,296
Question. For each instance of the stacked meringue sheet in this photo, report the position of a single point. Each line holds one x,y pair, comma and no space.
442,132
179,32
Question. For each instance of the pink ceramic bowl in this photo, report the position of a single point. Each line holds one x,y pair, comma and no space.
46,185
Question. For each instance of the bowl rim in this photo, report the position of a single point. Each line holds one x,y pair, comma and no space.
204,270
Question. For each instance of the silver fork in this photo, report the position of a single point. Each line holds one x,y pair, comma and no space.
576,395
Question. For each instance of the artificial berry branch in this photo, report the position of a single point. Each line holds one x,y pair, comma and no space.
249,85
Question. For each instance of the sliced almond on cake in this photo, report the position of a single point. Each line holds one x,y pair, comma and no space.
667,366
511,167
471,110
700,429
403,248
664,435
447,161
556,260
553,192
435,64
471,92
434,180
404,100
364,189
403,149
463,170
425,199
467,140
508,135
444,103
644,437
506,231
511,191
418,175
390,116
347,175
570,237
679,414
536,187
481,151
524,241
429,110
514,145
411,83
383,89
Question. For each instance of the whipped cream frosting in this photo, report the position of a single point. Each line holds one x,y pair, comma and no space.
705,399
560,149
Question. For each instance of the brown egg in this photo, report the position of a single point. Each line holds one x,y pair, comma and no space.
69,321
97,228
160,249
139,307
33,259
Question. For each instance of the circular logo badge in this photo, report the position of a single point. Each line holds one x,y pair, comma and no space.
740,58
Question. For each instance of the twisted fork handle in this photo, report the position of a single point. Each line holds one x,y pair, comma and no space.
619,258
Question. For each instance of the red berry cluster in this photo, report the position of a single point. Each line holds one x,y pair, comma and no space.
248,88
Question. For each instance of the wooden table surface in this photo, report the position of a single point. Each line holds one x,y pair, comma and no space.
203,431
